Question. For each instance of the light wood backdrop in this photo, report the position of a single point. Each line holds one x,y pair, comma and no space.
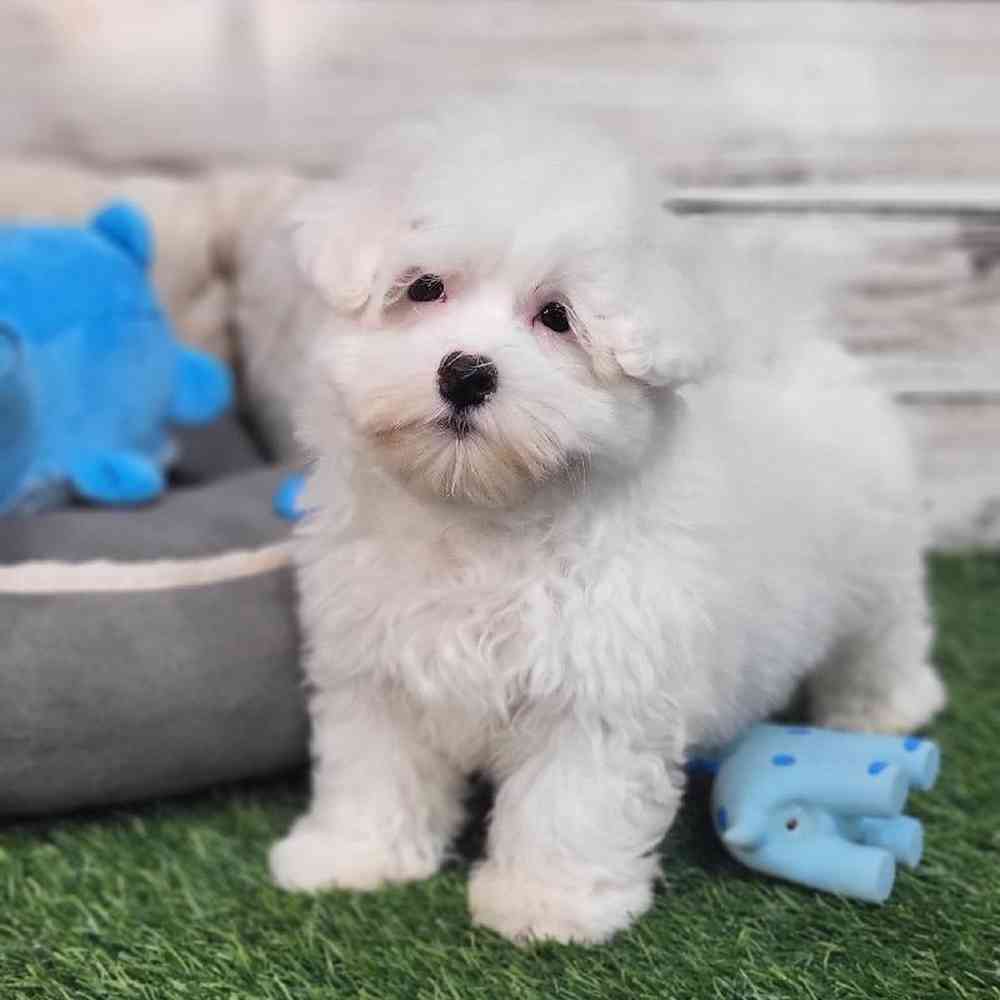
880,119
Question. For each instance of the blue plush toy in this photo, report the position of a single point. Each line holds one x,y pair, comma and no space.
91,375
821,807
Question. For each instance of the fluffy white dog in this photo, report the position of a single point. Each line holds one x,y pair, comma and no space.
577,507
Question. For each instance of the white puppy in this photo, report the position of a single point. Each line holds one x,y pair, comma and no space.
577,507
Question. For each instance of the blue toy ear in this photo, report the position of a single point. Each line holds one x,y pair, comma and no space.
127,227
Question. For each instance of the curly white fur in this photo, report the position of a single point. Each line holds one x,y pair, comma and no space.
656,527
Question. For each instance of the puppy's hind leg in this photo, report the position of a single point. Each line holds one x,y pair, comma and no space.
385,804
881,678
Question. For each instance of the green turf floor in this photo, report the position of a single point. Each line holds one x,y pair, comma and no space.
171,900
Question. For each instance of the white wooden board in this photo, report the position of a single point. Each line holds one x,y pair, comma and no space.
725,91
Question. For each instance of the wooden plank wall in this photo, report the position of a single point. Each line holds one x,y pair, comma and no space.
880,119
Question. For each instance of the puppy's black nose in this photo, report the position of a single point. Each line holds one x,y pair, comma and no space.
466,380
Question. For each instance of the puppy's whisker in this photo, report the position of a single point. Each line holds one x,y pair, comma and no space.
578,473
437,416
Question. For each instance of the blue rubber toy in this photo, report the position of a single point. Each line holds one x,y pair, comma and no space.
91,374
287,497
821,807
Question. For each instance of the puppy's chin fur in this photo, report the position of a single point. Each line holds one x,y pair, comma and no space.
722,513
469,464
460,457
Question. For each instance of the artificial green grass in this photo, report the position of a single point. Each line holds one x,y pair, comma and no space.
172,900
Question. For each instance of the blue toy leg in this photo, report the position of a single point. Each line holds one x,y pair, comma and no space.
920,759
834,864
286,497
842,791
115,477
858,789
903,836
204,389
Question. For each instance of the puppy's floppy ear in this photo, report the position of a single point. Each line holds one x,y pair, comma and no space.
339,231
723,294
343,227
669,336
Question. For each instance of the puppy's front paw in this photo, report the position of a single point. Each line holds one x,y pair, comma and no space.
524,909
312,858
903,709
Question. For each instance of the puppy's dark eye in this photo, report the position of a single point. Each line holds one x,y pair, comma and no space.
427,288
553,315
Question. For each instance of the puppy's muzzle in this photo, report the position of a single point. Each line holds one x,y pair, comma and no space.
466,380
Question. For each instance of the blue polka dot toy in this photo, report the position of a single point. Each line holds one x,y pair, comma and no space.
821,807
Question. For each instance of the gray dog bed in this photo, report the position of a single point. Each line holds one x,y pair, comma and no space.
151,651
